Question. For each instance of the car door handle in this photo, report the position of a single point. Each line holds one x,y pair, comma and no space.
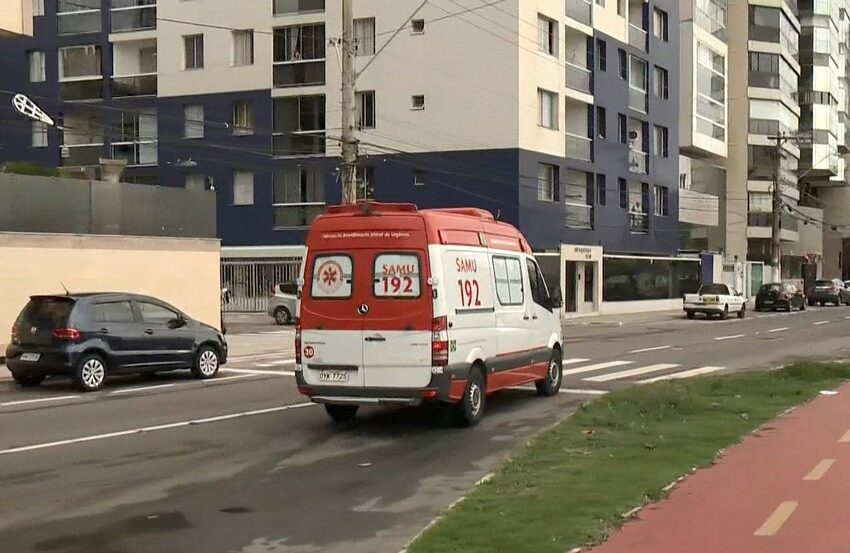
104,331
525,318
534,317
149,331
375,339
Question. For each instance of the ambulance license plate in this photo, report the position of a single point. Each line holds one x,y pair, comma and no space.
333,376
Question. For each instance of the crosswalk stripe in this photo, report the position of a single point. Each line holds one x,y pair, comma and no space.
631,372
573,361
276,363
596,367
683,374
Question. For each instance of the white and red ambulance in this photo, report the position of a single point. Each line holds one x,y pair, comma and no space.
400,305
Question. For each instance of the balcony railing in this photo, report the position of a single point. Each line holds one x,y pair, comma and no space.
133,18
135,153
79,155
765,219
637,37
135,85
638,161
579,147
638,222
296,215
302,73
287,7
710,24
580,10
87,89
578,78
579,216
295,144
637,99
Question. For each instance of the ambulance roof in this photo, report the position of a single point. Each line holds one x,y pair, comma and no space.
466,226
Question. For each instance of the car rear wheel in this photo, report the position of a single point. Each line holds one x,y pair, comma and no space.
469,409
90,373
206,363
690,314
802,306
725,314
282,316
28,380
743,312
341,413
550,385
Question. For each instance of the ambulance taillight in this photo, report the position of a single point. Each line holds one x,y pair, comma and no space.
298,341
439,342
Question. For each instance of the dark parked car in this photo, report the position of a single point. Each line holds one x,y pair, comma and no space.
829,291
780,296
92,336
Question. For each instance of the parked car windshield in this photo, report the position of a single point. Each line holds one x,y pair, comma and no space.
824,283
713,289
52,312
771,288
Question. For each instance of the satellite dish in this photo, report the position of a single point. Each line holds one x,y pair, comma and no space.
27,108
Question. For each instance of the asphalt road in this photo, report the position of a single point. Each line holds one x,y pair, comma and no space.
242,464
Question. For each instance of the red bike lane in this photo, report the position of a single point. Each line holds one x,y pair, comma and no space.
784,489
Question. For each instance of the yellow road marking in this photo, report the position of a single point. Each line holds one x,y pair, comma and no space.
819,470
775,521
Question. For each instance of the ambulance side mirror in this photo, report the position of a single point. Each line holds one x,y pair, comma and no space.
556,301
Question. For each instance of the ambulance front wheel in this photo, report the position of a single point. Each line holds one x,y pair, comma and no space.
470,408
550,385
341,413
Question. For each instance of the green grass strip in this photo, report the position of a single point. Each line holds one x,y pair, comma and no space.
571,485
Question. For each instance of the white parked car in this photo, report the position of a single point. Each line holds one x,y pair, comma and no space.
282,303
715,299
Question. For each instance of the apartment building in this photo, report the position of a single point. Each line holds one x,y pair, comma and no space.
559,117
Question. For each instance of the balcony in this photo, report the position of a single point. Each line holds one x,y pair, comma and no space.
579,78
80,155
638,222
134,85
579,216
135,153
290,7
297,215
638,162
580,10
637,99
579,147
83,89
300,73
637,37
299,144
133,15
765,219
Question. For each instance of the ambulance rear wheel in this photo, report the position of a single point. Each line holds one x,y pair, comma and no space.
470,408
341,413
550,385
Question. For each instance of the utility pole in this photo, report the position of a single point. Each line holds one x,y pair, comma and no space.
349,142
776,221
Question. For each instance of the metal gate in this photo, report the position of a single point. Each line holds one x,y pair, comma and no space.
251,281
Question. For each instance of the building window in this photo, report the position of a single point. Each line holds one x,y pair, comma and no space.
364,36
243,47
286,7
37,66
601,122
298,196
299,125
622,128
600,3
548,109
364,181
39,134
243,187
710,111
37,8
417,101
299,55
75,17
547,179
547,35
365,102
195,182
602,54
193,52
623,193
418,177
243,118
417,26
193,125
134,137
578,199
661,139
661,82
77,62
661,201
601,190
659,24
147,59
624,63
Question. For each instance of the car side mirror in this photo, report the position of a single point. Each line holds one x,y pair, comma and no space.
556,301
179,322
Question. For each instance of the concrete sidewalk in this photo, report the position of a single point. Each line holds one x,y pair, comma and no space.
624,318
781,490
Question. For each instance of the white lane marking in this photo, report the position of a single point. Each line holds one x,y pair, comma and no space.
140,389
40,400
782,329
683,374
277,363
223,378
156,428
255,371
732,337
573,361
821,323
656,348
845,318
583,391
632,372
596,367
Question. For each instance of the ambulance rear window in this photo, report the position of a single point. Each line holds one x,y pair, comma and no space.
332,275
396,275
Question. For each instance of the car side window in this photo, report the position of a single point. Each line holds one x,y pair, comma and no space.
507,272
112,312
538,287
156,314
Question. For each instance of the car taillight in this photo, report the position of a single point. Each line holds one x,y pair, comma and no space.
16,329
66,334
297,341
439,342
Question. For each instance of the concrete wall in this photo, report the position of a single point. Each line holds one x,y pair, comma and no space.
181,271
16,18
